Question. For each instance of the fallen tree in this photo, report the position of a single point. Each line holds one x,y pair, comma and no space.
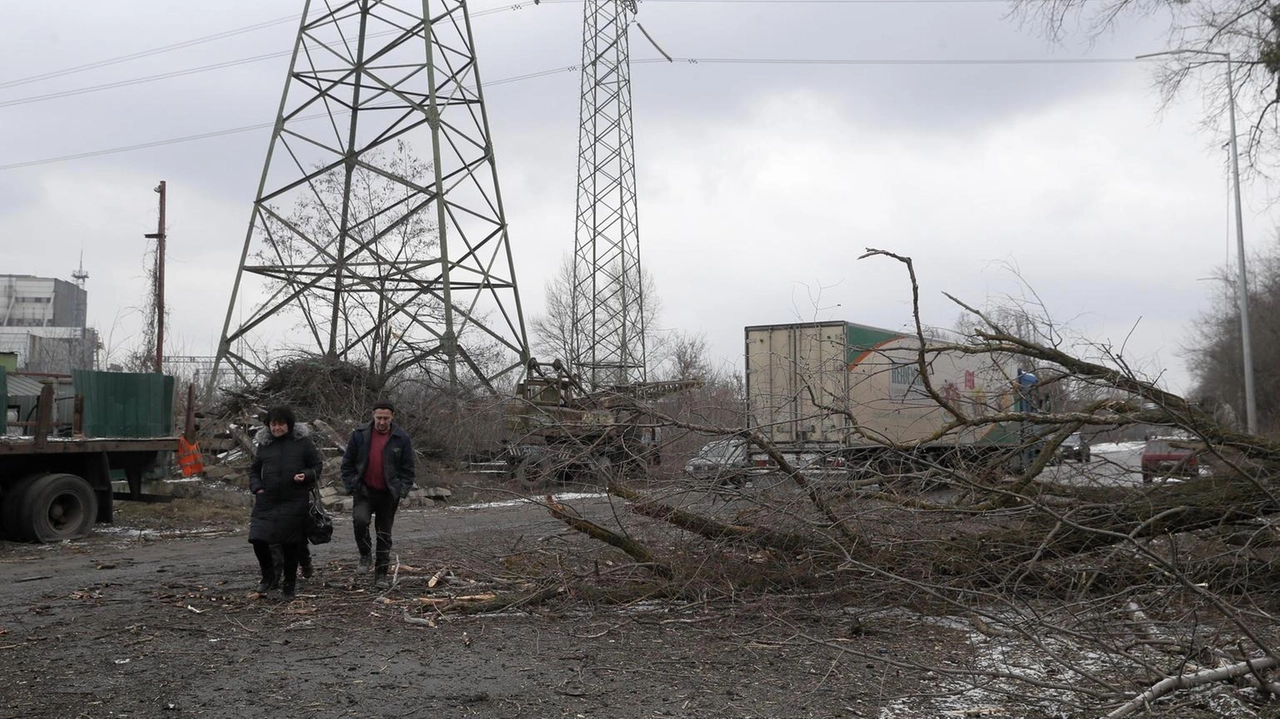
1024,553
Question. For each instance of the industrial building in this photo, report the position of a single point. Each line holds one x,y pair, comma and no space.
42,322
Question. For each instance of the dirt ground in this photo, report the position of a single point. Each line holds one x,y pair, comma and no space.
155,617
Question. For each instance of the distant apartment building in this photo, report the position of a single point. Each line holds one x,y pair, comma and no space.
42,321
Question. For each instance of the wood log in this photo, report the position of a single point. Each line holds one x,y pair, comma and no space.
711,529
633,548
1122,514
510,601
243,439
329,434
435,578
1186,681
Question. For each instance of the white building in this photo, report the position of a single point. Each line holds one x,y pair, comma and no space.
42,320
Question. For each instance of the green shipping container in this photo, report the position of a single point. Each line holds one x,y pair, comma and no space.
125,404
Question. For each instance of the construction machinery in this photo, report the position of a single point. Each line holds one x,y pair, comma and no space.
566,433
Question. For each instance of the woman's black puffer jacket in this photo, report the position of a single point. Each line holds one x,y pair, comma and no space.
280,511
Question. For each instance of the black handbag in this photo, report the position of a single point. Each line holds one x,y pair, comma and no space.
319,523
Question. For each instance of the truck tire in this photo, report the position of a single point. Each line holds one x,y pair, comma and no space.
533,472
58,507
11,509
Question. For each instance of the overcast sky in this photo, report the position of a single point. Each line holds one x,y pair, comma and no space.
759,184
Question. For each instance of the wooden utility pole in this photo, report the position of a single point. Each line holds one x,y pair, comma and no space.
159,299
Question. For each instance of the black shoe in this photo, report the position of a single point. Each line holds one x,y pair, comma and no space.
380,581
366,563
266,585
288,590
307,569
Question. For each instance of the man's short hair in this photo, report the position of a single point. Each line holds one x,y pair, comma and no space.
384,404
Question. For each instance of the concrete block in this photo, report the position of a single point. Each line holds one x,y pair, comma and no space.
218,471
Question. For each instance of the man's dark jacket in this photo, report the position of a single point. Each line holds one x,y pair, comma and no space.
280,511
397,460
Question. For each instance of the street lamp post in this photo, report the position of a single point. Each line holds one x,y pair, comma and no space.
1246,338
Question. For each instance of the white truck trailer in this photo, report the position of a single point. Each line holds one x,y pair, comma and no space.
842,394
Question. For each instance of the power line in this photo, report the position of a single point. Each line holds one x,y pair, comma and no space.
200,41
140,80
889,62
142,146
293,18
813,2
180,73
147,53
575,68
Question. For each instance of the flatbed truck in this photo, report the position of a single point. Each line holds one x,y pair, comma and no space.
54,488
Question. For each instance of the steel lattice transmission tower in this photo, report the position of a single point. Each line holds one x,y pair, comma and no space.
608,303
357,247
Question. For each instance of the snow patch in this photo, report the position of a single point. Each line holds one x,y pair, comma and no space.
1114,447
135,533
561,497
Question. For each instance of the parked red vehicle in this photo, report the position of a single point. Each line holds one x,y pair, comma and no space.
1169,457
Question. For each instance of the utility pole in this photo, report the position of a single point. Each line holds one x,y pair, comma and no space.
158,236
1246,336
1242,278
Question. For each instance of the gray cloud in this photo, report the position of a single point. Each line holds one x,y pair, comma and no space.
758,182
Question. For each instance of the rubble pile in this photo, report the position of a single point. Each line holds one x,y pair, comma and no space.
331,397
314,386
231,465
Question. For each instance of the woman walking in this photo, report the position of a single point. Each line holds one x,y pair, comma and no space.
285,467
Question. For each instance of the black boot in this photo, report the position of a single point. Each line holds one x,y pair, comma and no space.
306,568
270,580
288,589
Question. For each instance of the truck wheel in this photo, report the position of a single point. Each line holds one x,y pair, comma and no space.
533,473
58,507
11,509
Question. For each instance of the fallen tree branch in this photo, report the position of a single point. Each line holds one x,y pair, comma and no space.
1186,681
508,601
633,548
711,529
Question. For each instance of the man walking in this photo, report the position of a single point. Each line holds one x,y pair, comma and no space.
377,470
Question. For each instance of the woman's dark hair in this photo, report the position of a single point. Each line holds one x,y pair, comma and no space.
281,414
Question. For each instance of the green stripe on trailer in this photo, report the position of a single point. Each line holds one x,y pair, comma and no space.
861,337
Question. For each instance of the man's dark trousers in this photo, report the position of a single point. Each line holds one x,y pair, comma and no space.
380,506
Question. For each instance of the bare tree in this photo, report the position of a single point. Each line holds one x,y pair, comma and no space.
1211,31
552,331
1095,593
1214,351
378,318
